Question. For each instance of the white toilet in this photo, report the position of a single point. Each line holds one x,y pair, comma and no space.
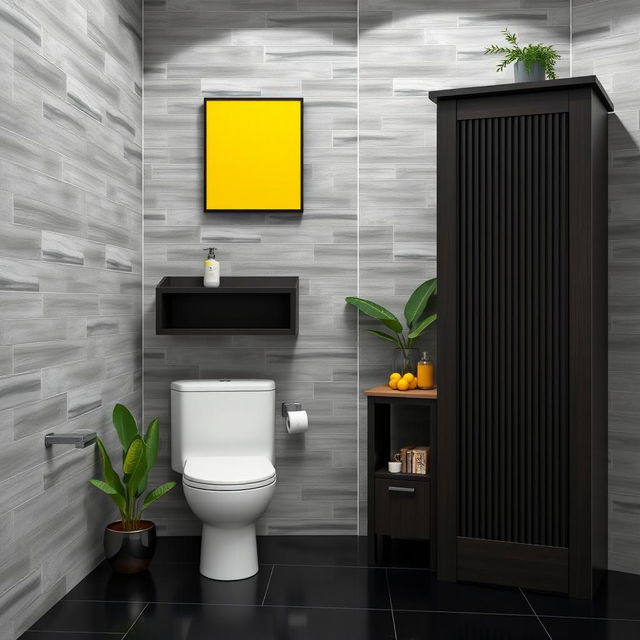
222,440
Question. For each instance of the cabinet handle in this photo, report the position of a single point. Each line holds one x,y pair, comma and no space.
402,489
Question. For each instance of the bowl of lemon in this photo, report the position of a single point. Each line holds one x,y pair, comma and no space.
403,383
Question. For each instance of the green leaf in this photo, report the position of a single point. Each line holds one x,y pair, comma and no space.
157,493
110,491
110,476
126,426
418,301
135,453
423,325
135,466
376,311
386,336
152,441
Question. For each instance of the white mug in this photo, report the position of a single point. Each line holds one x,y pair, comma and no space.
394,466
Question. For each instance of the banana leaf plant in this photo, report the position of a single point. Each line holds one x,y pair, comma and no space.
416,316
139,454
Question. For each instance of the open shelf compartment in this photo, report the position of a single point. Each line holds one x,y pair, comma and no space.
240,305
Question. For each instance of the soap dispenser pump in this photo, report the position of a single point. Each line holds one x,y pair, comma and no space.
211,269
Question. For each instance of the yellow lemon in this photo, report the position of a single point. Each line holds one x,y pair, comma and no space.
408,377
403,385
393,384
413,384
395,376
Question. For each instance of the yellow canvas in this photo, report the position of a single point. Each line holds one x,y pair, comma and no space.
253,155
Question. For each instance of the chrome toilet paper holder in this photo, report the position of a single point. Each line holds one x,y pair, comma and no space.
290,406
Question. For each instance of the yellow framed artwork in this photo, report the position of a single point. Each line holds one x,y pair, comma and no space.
253,154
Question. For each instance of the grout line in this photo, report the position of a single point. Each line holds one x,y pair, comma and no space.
534,611
322,607
136,620
142,252
570,38
358,399
59,633
393,618
268,583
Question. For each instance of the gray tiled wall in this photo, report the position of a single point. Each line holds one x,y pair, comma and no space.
309,48
260,48
70,280
408,48
606,41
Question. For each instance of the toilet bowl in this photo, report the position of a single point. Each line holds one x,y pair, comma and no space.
228,495
222,441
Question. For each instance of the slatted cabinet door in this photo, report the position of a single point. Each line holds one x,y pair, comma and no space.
521,172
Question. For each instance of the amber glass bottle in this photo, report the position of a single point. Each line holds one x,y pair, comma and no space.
425,372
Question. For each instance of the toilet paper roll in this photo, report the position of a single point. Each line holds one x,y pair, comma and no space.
297,422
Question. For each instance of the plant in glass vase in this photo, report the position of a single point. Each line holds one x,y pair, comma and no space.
417,318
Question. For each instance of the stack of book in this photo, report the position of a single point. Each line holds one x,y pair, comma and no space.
415,459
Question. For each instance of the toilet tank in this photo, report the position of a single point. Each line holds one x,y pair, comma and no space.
221,418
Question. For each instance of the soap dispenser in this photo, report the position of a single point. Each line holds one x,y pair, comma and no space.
211,269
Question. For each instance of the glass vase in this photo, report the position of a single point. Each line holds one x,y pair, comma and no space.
405,360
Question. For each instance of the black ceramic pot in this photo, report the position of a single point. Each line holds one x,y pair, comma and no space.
130,551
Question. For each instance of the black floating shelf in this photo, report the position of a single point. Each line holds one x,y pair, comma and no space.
258,306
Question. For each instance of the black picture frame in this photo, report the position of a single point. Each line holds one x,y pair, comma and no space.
204,153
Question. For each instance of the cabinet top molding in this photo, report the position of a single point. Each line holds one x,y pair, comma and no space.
524,87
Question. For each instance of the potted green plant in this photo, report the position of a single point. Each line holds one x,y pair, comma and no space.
532,62
129,543
417,319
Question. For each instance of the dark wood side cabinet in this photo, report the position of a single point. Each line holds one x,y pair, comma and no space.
522,334
400,505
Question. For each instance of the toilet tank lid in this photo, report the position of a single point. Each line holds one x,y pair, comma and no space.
223,385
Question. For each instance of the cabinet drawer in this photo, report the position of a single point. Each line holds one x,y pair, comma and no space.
402,508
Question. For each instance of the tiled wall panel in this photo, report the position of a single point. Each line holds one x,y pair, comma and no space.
408,48
70,280
218,48
606,41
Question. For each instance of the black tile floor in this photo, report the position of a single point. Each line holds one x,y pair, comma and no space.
320,588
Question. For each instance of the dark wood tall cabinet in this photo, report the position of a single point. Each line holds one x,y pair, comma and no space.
522,334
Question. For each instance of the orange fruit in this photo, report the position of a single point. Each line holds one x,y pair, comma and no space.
413,384
395,376
403,385
393,384
408,377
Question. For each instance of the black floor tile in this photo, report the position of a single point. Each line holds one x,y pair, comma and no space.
618,597
111,617
205,622
419,590
325,550
175,549
170,583
328,587
413,625
590,629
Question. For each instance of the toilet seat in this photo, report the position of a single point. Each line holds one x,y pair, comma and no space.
228,473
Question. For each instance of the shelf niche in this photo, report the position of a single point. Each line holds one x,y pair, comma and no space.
239,306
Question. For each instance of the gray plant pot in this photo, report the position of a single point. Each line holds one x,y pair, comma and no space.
129,551
522,74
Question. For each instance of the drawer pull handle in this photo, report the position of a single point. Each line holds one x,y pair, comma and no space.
402,489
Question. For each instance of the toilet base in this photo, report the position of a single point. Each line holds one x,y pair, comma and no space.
228,554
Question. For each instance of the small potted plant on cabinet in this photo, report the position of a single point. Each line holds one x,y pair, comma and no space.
129,543
533,62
